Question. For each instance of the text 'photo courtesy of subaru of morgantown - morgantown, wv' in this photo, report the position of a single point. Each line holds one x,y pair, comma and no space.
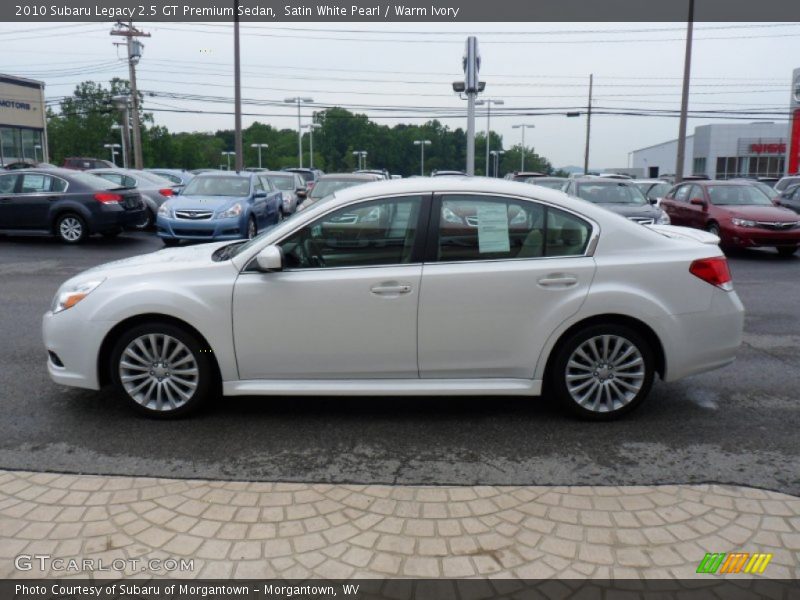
617,303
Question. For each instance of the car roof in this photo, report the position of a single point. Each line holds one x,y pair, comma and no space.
244,174
352,176
281,173
60,171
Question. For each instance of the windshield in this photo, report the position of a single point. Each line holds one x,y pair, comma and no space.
306,175
611,192
654,190
767,190
94,182
153,178
218,186
737,195
284,183
325,187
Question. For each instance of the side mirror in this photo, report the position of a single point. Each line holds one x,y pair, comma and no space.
270,259
302,193
260,194
698,202
653,200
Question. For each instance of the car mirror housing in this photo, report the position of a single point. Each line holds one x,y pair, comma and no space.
302,193
698,202
270,259
260,194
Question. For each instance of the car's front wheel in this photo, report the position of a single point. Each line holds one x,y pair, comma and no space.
603,371
252,228
162,370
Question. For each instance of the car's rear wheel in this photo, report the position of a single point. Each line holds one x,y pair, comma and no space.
162,370
71,228
786,250
603,371
147,222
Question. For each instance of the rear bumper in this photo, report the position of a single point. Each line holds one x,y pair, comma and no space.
113,219
206,229
707,340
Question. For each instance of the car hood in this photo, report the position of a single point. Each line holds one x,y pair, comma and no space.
215,203
759,213
169,259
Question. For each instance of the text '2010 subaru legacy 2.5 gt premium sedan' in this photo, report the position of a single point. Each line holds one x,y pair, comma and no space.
220,206
424,286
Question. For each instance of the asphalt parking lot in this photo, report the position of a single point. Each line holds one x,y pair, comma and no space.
738,425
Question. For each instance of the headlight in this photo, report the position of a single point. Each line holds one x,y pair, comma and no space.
69,297
451,217
743,222
233,211
165,210
663,219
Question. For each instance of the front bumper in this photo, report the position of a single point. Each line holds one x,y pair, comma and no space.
76,344
754,237
205,229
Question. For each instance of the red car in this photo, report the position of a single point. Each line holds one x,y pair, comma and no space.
741,215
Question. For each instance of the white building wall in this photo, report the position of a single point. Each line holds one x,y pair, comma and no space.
664,157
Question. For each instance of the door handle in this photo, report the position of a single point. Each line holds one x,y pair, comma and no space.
390,288
558,280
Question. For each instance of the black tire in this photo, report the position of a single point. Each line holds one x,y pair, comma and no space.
713,228
204,381
71,228
149,221
252,229
111,234
558,374
786,250
170,242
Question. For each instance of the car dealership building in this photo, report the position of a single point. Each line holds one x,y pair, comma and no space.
23,120
721,151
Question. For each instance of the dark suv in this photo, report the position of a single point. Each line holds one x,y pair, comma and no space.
68,204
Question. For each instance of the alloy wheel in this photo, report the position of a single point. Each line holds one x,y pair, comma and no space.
159,372
70,229
605,373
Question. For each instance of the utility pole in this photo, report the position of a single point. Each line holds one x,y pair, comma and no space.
471,86
522,126
237,93
588,127
687,68
134,47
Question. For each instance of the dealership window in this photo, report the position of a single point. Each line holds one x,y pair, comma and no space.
729,167
699,166
20,144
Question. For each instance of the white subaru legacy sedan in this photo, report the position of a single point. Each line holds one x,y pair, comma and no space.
423,286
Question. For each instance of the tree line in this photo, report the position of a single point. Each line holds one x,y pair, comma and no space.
85,121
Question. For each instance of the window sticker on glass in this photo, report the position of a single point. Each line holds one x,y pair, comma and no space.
493,228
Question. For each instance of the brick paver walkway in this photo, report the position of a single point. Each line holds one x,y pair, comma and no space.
261,530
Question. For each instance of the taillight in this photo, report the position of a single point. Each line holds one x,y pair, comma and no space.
167,192
108,198
714,271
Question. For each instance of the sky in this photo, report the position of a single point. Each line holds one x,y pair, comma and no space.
402,73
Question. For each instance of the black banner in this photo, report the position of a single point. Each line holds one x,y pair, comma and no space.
375,11
704,587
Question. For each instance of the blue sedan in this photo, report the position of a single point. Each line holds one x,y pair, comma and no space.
220,206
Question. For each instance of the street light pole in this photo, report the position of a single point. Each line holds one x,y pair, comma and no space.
113,149
311,127
488,102
422,144
299,100
522,126
259,146
228,156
